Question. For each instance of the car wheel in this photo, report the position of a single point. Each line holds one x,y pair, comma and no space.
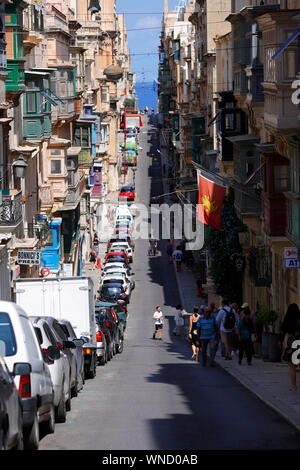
74,390
68,402
92,373
114,349
20,442
102,361
32,435
3,436
61,411
120,346
49,426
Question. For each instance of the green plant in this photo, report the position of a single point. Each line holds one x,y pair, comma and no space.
265,319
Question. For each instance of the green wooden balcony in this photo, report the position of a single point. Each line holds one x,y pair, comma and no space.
15,80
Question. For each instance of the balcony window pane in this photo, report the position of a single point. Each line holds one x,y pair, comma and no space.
55,167
31,102
281,178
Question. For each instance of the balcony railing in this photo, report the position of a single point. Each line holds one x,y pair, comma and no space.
10,207
46,197
248,201
75,192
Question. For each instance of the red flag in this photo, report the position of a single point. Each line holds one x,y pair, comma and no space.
211,195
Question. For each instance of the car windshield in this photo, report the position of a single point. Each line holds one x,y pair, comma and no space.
114,289
8,345
126,189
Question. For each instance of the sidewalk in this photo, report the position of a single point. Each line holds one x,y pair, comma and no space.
269,381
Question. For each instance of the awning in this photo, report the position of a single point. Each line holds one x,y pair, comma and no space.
26,243
244,138
72,151
6,120
34,72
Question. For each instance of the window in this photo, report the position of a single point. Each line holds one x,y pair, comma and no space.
31,102
71,178
55,152
49,240
281,178
82,136
290,64
49,334
55,167
62,89
8,345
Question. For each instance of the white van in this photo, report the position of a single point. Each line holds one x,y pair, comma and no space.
20,348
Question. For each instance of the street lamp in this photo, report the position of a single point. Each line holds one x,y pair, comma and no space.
20,166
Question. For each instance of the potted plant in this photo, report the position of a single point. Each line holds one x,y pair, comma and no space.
265,321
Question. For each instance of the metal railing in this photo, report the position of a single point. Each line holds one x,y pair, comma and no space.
11,208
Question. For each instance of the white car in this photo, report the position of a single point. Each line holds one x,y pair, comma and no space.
31,373
122,272
113,264
129,251
107,278
59,370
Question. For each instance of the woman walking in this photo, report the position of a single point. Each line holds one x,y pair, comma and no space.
93,259
179,320
193,334
245,328
290,331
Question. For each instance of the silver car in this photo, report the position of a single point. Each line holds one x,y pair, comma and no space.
78,354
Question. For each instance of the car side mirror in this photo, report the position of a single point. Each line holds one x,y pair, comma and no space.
78,342
85,339
69,345
22,368
53,353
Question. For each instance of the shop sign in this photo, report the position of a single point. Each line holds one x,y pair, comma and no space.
29,257
291,258
292,263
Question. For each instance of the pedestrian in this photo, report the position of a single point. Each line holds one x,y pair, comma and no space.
159,321
96,244
207,327
193,333
245,329
227,319
234,335
93,259
177,257
179,320
290,332
170,249
216,339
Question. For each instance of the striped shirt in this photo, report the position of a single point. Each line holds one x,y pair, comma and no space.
207,326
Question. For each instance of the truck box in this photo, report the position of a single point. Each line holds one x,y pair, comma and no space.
68,298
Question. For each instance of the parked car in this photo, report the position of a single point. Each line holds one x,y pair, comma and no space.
115,265
103,351
78,353
127,192
31,373
112,293
123,245
116,255
108,319
11,429
122,272
65,346
59,369
117,279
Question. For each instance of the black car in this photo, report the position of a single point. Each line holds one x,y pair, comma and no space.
11,428
108,320
112,293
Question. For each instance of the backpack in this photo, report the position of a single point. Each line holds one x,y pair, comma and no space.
178,257
230,320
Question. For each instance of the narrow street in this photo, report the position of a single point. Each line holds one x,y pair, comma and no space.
153,396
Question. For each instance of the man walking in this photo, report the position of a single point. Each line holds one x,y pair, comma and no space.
159,320
227,319
207,328
177,256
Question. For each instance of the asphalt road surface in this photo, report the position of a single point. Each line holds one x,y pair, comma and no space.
153,396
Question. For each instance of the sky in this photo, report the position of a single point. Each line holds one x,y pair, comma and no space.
143,14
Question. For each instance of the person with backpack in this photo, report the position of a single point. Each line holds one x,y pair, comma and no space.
227,319
245,328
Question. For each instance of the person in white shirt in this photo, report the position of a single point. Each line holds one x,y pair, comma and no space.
159,320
